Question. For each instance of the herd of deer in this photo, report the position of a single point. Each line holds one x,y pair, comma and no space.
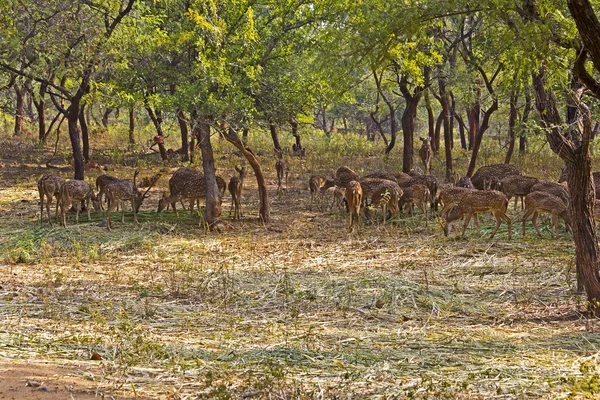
185,184
488,191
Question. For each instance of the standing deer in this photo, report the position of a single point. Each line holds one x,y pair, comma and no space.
426,154
315,183
540,202
282,166
49,186
181,179
118,192
354,196
75,191
236,184
101,182
475,202
418,195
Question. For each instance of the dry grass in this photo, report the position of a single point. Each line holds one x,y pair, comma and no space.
299,309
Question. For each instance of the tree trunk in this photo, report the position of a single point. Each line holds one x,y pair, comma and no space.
131,125
298,145
264,213
40,106
431,124
393,128
479,137
84,134
20,110
474,114
73,121
275,137
573,148
524,118
212,212
195,134
445,115
105,116
156,120
183,127
512,119
461,130
244,136
438,128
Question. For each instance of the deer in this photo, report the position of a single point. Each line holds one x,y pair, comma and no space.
354,195
541,202
426,154
595,176
488,177
338,198
387,197
75,191
465,182
236,184
49,187
193,189
282,166
101,182
180,179
315,183
478,201
344,175
118,192
428,180
554,188
416,194
518,186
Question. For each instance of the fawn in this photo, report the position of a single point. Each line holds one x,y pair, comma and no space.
49,186
75,191
354,196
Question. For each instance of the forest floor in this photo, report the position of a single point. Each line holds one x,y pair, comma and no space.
296,309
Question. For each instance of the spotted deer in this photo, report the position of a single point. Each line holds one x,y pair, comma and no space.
426,154
428,180
554,188
354,196
315,183
101,182
193,188
236,184
518,186
180,179
541,202
344,175
118,192
49,187
418,195
75,191
476,202
282,166
489,176
386,197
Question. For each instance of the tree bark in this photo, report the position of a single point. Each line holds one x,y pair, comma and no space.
445,115
573,148
156,120
264,213
435,146
105,117
84,134
275,137
20,110
40,107
183,127
479,137
512,119
461,130
131,125
244,136
212,212
72,114
524,118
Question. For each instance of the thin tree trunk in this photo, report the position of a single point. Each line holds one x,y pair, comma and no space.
244,136
212,212
445,115
156,120
512,119
131,125
40,106
479,137
298,145
105,117
20,110
431,124
73,122
461,130
524,118
264,213
84,134
183,127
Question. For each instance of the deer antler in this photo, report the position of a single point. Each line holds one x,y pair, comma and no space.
154,180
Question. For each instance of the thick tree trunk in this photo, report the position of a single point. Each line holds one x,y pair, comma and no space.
212,212
72,115
275,137
131,125
264,213
479,137
183,127
20,110
84,134
512,119
573,148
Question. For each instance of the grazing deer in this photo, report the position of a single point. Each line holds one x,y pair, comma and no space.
354,196
338,198
123,190
282,166
554,188
517,186
450,197
426,154
344,175
193,189
418,195
370,186
49,187
488,177
387,197
595,176
180,179
475,202
428,180
75,191
236,184
101,182
540,202
315,183
464,182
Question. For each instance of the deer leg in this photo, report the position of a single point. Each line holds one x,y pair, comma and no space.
525,218
467,219
87,205
554,225
535,225
498,222
516,198
508,222
134,212
109,208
